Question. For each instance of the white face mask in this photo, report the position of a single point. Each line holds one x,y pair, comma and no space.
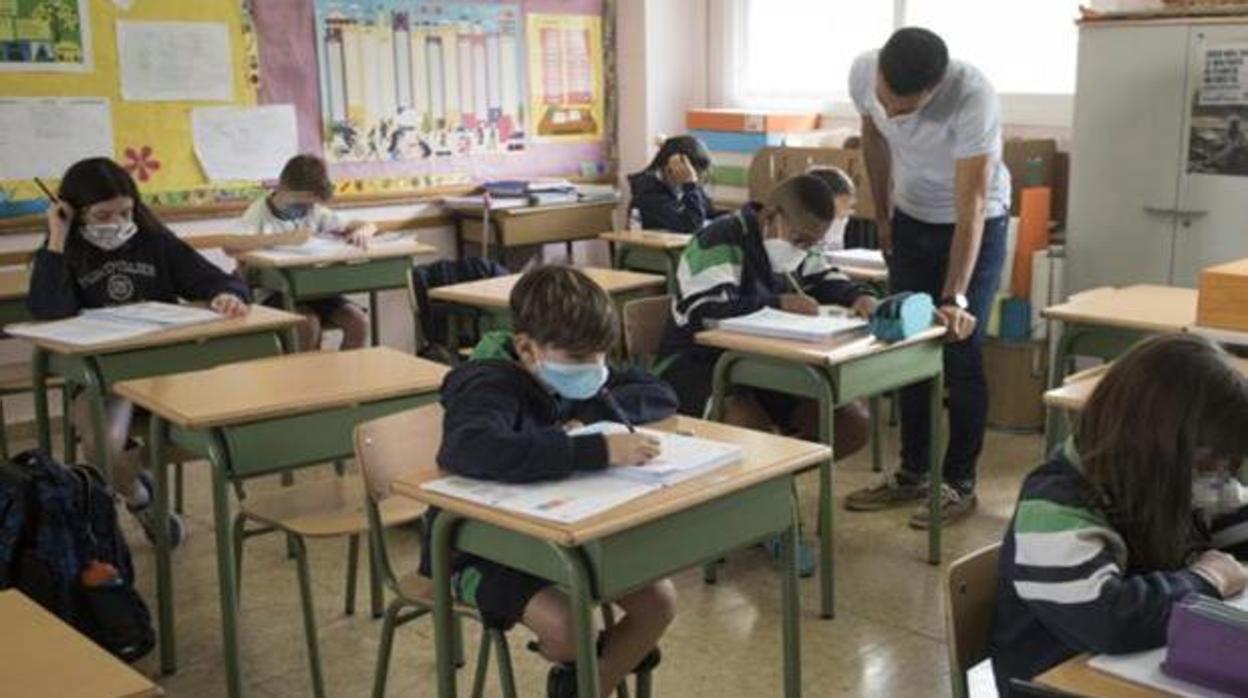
109,236
834,239
785,257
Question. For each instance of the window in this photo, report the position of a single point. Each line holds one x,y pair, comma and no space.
797,53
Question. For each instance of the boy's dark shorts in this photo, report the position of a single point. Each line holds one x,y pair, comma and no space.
499,593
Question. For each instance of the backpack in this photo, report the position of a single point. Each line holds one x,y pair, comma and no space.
60,544
433,314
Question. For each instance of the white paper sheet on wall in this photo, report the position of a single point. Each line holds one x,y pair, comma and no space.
41,137
244,142
175,61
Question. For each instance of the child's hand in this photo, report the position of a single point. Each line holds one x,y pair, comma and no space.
631,448
361,235
59,216
573,425
797,303
864,306
1223,571
229,305
679,171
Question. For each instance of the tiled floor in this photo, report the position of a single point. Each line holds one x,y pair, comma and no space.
887,638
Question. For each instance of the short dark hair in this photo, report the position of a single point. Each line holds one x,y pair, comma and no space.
806,202
307,173
563,308
835,178
914,60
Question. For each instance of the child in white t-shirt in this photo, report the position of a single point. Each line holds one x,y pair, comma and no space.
298,204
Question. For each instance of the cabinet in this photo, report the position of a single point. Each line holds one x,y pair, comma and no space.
1137,215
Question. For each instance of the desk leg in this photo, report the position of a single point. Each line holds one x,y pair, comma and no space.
226,569
374,318
164,575
827,435
937,460
791,608
877,435
39,386
292,335
443,619
94,390
581,600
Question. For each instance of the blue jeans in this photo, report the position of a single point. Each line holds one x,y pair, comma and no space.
919,261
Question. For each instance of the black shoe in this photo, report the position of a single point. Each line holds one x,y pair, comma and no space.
561,681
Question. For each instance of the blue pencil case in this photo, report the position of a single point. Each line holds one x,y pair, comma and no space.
901,316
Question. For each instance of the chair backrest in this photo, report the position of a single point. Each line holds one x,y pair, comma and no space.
391,446
970,595
644,321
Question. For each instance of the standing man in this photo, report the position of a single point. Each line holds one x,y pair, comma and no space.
931,137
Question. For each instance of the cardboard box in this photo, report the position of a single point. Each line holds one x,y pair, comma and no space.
747,121
1222,301
773,164
1016,374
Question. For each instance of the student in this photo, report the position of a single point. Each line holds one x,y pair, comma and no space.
846,196
104,248
1107,535
668,193
506,413
303,188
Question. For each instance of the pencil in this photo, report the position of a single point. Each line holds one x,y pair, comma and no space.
46,192
796,286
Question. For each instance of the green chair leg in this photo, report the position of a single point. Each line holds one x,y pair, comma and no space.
384,650
506,677
238,532
309,615
376,594
483,665
459,643
353,563
710,572
644,683
179,489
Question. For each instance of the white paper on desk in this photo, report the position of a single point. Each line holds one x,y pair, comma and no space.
565,501
251,143
857,258
158,315
771,322
43,136
175,61
1145,667
680,457
82,331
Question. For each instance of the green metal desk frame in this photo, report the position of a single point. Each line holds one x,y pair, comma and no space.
239,452
1083,339
831,387
297,284
647,259
608,568
13,310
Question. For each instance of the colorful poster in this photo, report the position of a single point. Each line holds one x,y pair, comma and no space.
411,79
1218,144
45,35
565,76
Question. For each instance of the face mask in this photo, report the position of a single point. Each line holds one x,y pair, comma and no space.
109,236
1207,490
834,239
293,212
785,257
573,381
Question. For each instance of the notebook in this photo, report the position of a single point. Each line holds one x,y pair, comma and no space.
1145,667
586,494
104,325
771,322
857,258
154,313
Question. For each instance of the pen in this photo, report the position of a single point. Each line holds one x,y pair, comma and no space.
46,192
796,286
614,406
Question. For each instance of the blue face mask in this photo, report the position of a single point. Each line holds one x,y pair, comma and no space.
573,381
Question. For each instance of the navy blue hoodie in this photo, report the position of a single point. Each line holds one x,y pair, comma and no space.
684,209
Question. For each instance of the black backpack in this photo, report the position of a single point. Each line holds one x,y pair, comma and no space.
58,538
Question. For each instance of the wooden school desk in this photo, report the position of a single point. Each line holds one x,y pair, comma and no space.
847,368
240,417
385,265
43,656
655,251
534,225
493,295
14,286
19,248
619,550
1105,322
94,368
1075,677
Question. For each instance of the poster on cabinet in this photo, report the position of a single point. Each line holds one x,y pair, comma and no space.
1218,143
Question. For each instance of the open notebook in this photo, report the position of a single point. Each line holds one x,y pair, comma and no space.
1145,667
586,494
770,322
322,246
113,324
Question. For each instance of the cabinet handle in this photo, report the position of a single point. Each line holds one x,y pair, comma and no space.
1190,213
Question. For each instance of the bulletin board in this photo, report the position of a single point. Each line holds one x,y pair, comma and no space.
459,103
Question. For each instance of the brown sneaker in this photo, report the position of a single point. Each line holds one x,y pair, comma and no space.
890,493
954,506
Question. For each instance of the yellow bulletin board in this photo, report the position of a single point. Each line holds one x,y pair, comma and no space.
151,139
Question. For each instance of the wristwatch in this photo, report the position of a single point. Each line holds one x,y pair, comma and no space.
958,300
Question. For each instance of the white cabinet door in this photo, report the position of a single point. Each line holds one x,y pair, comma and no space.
1213,194
1128,131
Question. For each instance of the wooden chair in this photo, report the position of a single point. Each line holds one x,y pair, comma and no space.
326,508
970,594
644,322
